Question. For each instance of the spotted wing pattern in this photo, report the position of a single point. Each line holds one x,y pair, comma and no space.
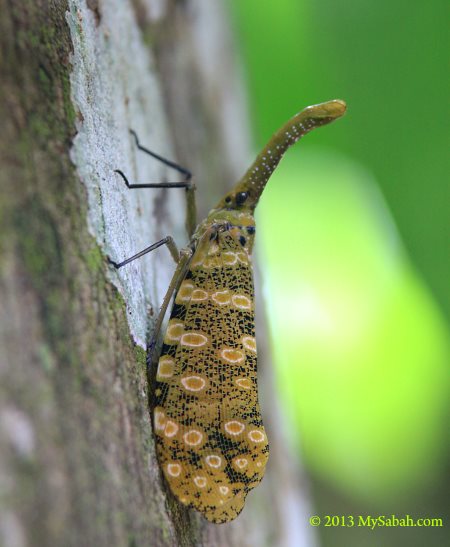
211,442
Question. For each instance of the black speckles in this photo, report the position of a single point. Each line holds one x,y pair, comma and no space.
178,312
254,419
168,349
218,439
198,322
234,476
194,458
234,286
161,393
249,318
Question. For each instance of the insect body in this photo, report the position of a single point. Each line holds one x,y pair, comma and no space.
211,442
210,437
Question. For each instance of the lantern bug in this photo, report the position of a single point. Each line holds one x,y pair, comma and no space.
210,439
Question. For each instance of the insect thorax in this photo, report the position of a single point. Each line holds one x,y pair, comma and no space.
239,223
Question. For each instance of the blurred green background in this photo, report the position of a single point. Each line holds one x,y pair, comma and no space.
353,232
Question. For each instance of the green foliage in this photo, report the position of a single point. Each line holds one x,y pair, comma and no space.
357,334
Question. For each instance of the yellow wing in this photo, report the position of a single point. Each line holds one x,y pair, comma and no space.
211,442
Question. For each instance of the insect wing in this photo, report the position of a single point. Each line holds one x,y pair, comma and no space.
211,441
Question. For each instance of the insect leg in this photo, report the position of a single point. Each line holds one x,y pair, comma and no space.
187,174
187,184
166,241
185,256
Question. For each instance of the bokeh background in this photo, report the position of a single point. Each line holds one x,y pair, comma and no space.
354,238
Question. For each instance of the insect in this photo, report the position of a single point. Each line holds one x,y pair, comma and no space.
210,439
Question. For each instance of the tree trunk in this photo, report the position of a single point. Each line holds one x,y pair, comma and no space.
77,457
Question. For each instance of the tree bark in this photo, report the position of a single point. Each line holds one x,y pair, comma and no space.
77,457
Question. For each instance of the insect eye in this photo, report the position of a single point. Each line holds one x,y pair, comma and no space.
241,197
227,199
250,229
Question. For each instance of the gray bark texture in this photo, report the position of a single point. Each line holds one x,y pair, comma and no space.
77,457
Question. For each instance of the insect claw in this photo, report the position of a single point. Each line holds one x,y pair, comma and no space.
110,261
119,172
132,132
